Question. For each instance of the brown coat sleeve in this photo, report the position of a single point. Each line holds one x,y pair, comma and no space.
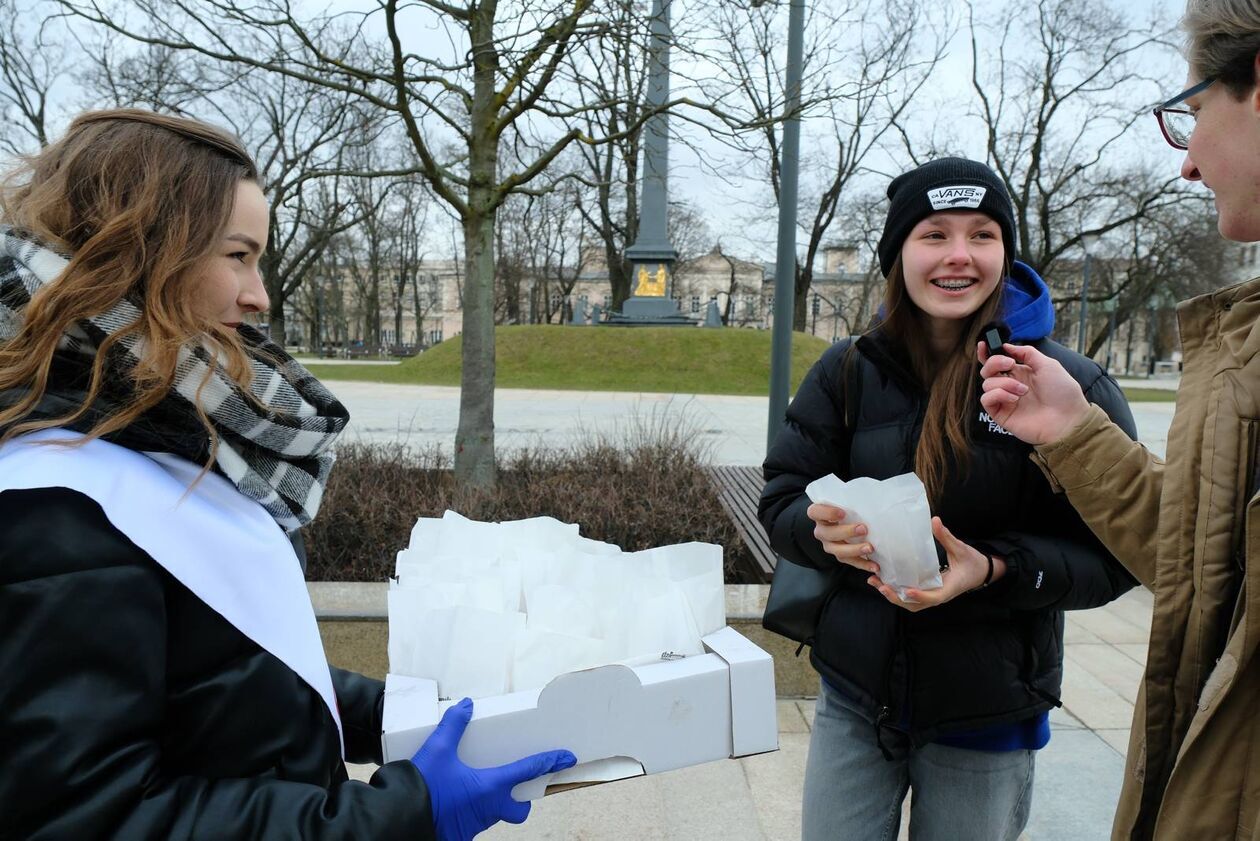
1115,485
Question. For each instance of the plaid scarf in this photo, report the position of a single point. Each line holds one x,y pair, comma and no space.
279,456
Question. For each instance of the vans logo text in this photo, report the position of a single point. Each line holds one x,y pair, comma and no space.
962,195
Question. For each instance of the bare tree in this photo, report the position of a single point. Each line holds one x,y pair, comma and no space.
31,63
547,243
405,216
1056,83
299,134
610,172
459,106
861,217
1168,254
858,87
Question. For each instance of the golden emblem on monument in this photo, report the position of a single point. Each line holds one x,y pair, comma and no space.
651,286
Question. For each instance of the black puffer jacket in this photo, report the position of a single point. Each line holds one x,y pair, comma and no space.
987,657
130,710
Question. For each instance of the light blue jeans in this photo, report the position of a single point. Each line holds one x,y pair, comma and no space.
853,794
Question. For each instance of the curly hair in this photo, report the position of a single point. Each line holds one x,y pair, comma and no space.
137,201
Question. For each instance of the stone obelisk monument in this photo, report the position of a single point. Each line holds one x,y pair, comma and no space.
651,258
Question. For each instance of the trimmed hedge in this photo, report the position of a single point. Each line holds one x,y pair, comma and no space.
649,491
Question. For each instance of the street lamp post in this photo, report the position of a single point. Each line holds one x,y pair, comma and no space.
785,254
1089,242
1111,332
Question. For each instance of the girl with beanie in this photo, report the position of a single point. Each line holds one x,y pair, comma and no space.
948,693
163,675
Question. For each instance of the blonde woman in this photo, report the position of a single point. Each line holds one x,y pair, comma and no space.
1188,528
163,676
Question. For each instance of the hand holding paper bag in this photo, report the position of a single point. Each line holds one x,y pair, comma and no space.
968,570
895,512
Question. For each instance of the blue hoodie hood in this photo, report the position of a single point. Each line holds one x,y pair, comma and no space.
1026,308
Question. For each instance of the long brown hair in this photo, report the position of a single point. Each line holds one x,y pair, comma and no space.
950,380
137,201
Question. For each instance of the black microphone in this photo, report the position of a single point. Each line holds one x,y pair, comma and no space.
994,335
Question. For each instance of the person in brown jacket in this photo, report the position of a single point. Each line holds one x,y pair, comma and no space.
1188,528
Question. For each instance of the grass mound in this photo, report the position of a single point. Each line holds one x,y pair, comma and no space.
653,359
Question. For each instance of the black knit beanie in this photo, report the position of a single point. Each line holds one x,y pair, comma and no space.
945,184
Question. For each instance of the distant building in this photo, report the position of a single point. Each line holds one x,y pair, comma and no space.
1244,261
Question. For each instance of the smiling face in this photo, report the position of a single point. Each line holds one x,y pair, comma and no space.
1222,154
230,286
952,261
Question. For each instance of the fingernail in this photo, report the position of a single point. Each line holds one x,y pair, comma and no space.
861,530
868,549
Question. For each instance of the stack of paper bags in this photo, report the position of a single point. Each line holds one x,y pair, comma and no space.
490,608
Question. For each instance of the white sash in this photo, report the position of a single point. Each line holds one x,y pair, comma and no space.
221,545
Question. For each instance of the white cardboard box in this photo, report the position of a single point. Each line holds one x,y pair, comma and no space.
619,721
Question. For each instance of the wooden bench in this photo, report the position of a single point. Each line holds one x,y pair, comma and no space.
739,491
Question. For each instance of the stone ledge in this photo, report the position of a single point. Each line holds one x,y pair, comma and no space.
353,623
359,601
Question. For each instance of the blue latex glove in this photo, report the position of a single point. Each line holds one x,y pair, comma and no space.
467,800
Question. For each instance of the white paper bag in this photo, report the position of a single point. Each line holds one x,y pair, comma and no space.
562,610
697,570
656,620
898,522
486,608
466,650
540,656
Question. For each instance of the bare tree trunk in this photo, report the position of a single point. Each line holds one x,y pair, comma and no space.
474,437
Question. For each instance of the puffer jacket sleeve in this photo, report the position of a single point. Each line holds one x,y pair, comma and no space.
1053,559
362,703
83,658
812,443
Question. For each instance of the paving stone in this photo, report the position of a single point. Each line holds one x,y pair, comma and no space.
1118,739
776,782
1074,632
1109,627
807,710
1134,651
1134,606
790,718
1097,705
362,773
718,801
1109,665
1061,719
1075,789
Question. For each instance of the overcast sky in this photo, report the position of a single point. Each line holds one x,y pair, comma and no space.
739,210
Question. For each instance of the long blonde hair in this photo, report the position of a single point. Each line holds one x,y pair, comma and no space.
950,380
137,200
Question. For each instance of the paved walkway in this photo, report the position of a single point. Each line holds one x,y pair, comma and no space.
731,430
1077,778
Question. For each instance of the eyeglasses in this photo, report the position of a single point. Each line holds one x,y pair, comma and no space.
1177,124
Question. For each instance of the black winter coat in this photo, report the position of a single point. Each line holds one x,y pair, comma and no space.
990,656
131,710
